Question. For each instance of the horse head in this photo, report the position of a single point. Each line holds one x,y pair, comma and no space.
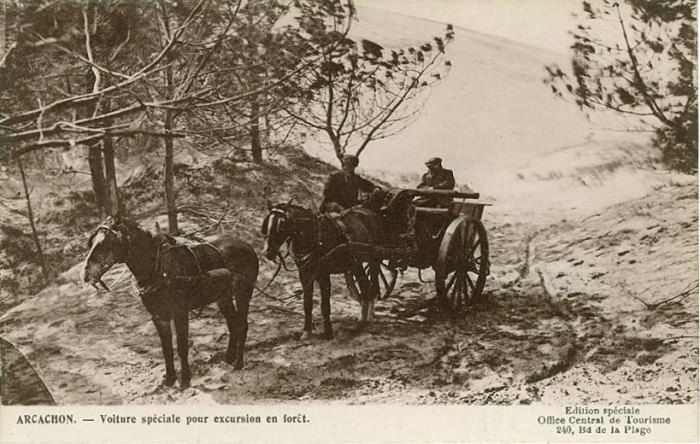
108,245
277,228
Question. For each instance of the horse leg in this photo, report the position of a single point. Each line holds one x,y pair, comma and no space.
182,330
229,312
242,302
307,285
166,343
325,284
374,267
365,289
350,284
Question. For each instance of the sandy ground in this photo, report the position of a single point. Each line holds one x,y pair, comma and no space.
594,309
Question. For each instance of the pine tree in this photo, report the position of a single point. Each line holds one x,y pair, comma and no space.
638,58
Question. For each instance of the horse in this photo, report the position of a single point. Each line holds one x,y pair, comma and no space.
319,247
174,279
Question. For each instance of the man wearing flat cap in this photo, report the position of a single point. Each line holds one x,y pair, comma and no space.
437,178
342,188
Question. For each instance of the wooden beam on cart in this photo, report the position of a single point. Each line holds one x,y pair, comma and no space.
442,193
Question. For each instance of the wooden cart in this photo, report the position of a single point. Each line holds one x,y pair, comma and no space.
440,229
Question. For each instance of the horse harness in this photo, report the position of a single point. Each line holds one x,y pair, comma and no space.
284,215
162,278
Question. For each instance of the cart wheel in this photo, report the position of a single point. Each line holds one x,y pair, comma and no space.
462,264
387,279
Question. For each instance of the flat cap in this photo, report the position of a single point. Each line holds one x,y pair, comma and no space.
434,161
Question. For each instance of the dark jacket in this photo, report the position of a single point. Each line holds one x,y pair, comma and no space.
343,190
442,180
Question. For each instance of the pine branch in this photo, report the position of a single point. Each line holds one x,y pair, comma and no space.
146,71
640,84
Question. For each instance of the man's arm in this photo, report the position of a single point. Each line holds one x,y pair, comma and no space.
329,190
448,183
423,181
365,185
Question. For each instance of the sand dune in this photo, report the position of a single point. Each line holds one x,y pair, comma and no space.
499,127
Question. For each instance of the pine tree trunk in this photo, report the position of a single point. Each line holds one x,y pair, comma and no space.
339,153
111,191
168,121
255,145
97,175
169,176
30,216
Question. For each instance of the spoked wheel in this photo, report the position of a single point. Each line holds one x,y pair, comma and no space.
387,279
462,264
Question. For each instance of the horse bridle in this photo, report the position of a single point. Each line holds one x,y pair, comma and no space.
123,242
284,214
287,240
121,237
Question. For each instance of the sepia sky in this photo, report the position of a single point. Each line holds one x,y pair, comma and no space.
541,23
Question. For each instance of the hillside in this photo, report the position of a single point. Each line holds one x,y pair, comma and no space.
502,131
565,321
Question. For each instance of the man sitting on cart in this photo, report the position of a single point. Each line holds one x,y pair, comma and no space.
437,178
342,188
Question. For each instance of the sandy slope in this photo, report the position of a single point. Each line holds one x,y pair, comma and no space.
563,322
499,127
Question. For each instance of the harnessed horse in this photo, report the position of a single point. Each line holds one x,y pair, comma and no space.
174,279
317,244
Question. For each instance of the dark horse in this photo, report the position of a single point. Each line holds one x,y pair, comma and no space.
174,279
317,244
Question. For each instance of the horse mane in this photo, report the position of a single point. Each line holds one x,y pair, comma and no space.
293,208
131,224
133,227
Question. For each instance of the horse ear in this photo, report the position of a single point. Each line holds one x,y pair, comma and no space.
290,201
269,204
159,232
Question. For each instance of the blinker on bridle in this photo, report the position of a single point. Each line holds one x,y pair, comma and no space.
273,211
120,237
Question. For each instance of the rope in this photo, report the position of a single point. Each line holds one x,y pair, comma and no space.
262,291
272,297
119,279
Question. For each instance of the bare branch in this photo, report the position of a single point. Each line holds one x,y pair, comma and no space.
147,70
71,143
7,53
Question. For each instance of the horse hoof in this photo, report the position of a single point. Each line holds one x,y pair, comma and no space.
168,381
238,365
184,385
305,336
327,335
